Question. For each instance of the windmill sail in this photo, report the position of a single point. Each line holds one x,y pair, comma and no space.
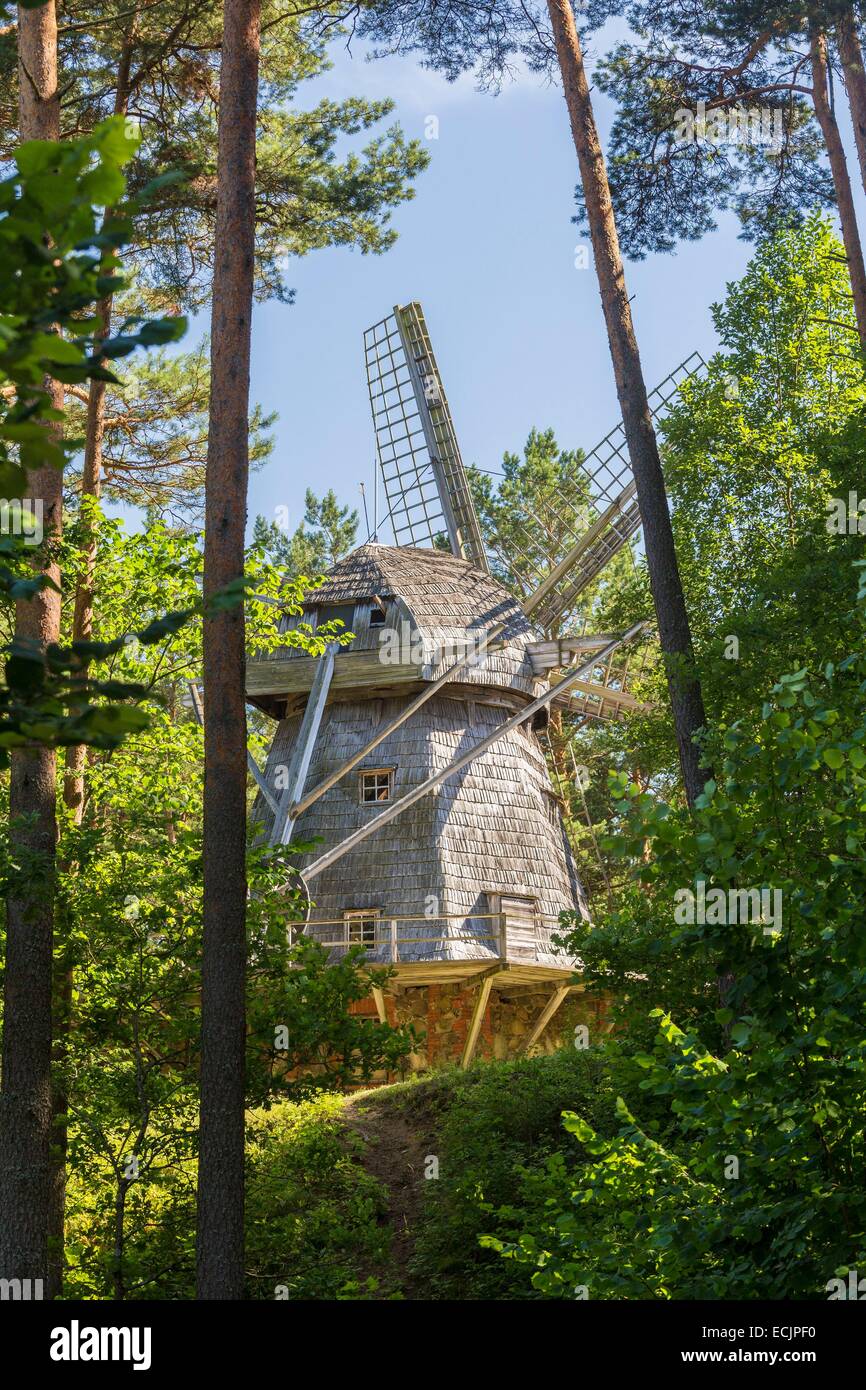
425,481
586,519
591,517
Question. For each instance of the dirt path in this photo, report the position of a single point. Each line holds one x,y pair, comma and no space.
396,1155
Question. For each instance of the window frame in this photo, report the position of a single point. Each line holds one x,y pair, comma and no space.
377,773
362,915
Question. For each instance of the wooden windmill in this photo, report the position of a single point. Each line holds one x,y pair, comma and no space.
412,755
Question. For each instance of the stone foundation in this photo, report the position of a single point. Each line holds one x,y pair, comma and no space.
441,1014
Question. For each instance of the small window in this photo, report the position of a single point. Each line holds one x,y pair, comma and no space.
361,928
336,612
377,616
377,785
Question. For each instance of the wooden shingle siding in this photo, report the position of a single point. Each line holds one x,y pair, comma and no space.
489,839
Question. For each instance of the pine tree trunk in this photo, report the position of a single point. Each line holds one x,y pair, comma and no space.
75,760
220,1239
91,474
673,623
841,180
25,1097
851,53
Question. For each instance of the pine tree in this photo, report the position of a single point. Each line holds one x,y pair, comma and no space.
220,1234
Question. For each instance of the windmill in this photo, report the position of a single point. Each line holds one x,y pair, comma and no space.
428,491
412,754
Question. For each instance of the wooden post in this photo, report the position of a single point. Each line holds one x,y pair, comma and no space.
544,1017
395,955
284,821
379,1000
485,984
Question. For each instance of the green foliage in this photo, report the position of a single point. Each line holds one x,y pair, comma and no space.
759,151
492,1128
325,176
314,1215
327,533
303,1037
782,1092
154,447
57,260
128,928
752,455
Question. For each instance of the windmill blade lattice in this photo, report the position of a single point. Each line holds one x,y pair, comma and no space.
591,517
425,481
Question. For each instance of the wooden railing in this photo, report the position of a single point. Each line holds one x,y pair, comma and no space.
487,930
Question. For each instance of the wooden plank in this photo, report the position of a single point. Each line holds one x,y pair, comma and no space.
284,821
556,654
544,1017
481,998
295,675
379,1000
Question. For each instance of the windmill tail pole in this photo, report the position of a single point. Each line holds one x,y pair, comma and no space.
673,624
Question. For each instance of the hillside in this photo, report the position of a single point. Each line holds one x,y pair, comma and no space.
385,1194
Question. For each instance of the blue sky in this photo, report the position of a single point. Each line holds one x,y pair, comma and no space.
488,247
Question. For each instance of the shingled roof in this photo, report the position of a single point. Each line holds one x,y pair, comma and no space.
444,594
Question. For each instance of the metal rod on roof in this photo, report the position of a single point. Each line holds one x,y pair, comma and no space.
398,807
375,501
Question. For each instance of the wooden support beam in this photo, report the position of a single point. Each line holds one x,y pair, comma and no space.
484,987
556,654
435,686
379,1000
398,807
284,821
547,1013
353,670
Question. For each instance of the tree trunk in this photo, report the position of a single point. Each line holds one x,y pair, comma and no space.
25,1097
76,756
91,474
673,623
851,53
220,1238
841,181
